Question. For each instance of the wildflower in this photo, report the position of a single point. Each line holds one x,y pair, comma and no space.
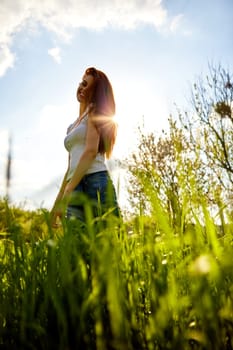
51,243
201,266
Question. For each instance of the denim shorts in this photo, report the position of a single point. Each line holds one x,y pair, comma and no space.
94,196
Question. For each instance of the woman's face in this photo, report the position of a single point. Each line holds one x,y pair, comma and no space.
85,88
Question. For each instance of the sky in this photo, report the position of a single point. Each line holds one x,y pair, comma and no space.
151,50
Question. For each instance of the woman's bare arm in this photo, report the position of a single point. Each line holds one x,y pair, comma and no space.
61,190
89,154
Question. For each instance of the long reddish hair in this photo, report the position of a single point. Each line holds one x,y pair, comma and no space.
103,110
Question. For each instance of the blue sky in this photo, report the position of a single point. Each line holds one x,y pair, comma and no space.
151,50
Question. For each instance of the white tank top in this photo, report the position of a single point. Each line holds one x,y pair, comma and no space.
75,141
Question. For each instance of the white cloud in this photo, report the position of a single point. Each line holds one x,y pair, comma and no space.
61,17
55,54
178,24
6,59
175,23
13,16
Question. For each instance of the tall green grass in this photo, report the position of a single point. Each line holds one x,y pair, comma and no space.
116,285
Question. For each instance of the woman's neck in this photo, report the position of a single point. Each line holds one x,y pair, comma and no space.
82,109
85,109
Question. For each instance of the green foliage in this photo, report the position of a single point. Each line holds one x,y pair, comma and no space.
192,161
115,285
15,219
169,171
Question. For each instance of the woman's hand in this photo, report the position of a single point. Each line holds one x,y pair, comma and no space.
59,207
56,213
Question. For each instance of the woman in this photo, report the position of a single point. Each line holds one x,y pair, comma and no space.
89,141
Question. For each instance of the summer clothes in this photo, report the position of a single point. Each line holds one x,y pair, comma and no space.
96,189
75,144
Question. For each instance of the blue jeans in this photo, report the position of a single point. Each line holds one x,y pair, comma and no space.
94,196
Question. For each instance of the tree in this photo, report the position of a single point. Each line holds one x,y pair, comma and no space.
191,163
162,167
210,129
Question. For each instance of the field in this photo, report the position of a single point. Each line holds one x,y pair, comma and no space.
127,284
